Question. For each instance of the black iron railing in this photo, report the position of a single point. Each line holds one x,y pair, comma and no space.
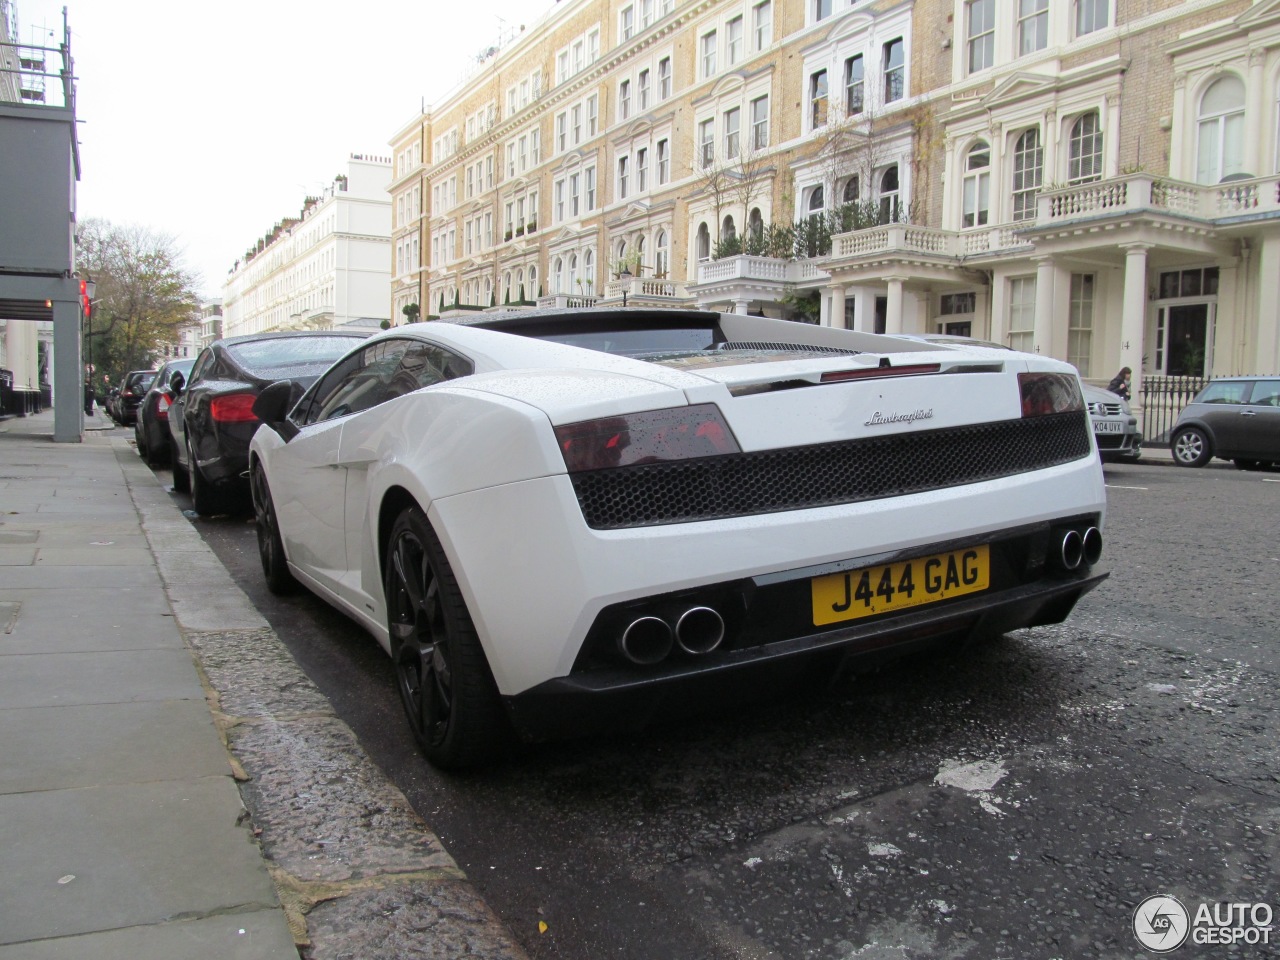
1163,398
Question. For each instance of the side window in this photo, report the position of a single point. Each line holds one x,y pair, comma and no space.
425,364
307,411
366,383
1230,391
202,365
1266,393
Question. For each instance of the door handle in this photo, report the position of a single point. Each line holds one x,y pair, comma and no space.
1248,413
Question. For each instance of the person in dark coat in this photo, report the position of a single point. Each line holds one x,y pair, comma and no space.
1119,384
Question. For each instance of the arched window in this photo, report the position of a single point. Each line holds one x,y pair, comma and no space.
890,207
1220,143
704,242
520,293
488,291
1028,173
533,282
557,275
660,254
851,190
977,185
571,281
755,223
507,292
588,270
727,229
816,200
640,254
1084,161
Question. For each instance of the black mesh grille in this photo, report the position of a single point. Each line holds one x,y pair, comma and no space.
798,477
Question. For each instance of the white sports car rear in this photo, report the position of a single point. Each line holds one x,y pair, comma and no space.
558,519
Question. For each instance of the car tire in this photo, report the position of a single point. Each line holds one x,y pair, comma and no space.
181,481
447,690
1191,447
204,498
270,546
155,457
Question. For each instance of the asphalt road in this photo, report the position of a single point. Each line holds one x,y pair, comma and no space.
1016,800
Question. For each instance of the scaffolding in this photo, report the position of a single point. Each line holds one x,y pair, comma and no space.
34,72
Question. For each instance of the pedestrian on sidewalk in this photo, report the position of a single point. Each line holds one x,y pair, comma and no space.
1119,384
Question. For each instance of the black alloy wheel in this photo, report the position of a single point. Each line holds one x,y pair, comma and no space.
275,567
446,688
181,479
204,498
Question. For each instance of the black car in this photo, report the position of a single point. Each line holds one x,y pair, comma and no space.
151,426
135,385
211,421
1235,418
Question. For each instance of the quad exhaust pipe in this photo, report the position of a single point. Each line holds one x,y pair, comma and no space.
1076,548
650,640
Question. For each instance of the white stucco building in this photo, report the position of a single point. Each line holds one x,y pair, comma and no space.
328,267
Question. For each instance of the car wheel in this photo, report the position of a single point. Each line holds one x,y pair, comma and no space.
204,498
181,482
140,441
447,690
270,547
1191,448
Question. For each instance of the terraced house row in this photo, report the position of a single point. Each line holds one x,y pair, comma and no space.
1096,180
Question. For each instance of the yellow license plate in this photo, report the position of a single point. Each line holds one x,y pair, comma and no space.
897,586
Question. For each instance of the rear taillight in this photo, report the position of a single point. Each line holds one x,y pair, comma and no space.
162,406
233,408
1046,393
681,433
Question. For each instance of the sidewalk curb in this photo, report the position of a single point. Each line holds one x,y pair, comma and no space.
357,871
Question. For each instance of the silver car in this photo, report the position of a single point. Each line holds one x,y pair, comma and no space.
1114,425
1235,418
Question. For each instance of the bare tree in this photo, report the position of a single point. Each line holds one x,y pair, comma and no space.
712,179
749,180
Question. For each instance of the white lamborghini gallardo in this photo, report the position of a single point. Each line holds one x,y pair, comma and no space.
555,520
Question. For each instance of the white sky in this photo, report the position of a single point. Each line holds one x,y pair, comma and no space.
210,121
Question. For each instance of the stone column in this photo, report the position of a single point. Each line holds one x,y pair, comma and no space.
1042,331
1265,356
893,313
837,307
741,307
1133,315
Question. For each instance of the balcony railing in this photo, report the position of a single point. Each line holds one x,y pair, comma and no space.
760,269
1142,191
906,238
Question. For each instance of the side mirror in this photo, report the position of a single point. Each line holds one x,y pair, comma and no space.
177,382
273,404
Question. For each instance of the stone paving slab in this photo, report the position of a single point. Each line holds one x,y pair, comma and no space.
129,851
11,556
233,936
118,676
97,744
75,578
63,621
103,555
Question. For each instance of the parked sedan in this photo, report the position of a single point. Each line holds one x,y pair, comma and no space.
1114,426
135,385
1235,418
151,427
212,419
565,520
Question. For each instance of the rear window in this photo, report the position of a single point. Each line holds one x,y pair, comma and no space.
1266,393
626,339
288,357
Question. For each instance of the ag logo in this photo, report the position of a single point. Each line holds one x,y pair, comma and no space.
1161,923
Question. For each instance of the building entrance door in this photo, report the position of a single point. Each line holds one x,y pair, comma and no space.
1184,339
